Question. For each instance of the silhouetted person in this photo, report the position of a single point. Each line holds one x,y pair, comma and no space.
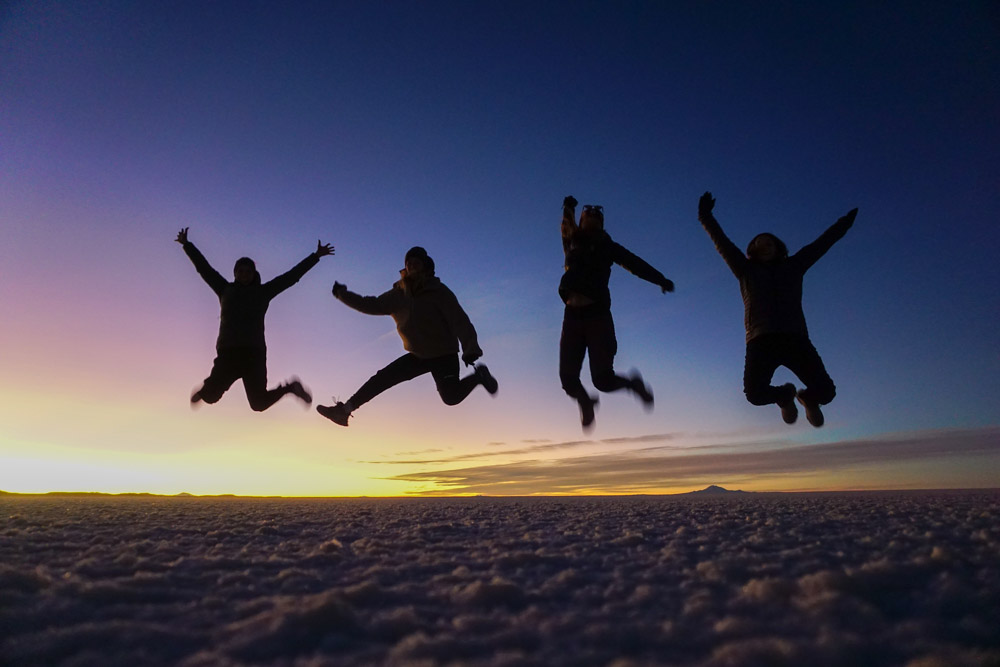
771,285
588,328
431,323
241,352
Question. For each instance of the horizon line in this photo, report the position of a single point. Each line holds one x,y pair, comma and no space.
709,491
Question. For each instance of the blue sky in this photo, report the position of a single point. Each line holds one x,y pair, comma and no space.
460,127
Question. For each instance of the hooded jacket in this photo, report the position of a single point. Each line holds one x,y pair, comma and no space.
589,257
244,306
772,291
428,317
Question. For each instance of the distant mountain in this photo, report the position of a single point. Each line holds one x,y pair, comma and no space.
712,490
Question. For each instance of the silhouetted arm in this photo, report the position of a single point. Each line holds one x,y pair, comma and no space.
384,304
461,325
201,265
568,226
733,256
279,284
639,267
808,255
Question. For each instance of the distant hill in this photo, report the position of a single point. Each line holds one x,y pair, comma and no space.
713,490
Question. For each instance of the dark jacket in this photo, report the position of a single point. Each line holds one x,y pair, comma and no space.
589,257
772,291
244,306
429,319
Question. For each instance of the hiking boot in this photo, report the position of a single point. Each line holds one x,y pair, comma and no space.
789,413
641,389
486,378
813,414
295,387
336,413
587,411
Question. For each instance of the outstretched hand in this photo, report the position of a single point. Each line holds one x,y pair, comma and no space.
470,357
323,249
182,236
853,213
338,289
570,202
706,204
667,286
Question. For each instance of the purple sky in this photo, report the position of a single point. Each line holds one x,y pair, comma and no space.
460,127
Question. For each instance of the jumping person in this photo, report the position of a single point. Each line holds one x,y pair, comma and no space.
771,285
241,352
588,328
431,324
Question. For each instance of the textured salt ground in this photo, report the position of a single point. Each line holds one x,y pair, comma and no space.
847,579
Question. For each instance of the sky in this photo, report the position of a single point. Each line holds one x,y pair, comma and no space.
264,127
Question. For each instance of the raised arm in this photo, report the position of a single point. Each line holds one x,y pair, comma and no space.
279,284
639,267
383,304
568,227
808,255
201,265
733,256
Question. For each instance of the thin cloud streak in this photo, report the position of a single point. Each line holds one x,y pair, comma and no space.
640,472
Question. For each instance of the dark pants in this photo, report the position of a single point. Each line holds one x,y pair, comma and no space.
248,364
796,353
588,331
452,389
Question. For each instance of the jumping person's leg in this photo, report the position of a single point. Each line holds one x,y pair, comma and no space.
763,356
805,362
572,349
602,346
255,382
402,369
452,388
226,369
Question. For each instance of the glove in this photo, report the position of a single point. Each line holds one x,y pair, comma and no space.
338,289
668,285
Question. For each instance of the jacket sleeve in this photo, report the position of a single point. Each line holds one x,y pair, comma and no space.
460,323
809,254
205,270
636,265
568,226
384,304
279,284
733,256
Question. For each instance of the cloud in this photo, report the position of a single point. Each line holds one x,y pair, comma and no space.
650,470
534,449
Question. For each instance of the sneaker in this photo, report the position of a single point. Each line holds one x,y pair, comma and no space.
813,414
336,413
587,411
486,378
295,387
641,389
789,413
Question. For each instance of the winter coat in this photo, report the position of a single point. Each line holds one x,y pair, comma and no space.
772,291
244,306
589,257
428,317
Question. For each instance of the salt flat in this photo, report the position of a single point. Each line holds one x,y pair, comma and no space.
905,578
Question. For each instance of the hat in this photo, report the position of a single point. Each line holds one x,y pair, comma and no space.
421,254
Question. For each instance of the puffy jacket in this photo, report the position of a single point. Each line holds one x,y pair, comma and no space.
428,317
244,306
589,257
772,291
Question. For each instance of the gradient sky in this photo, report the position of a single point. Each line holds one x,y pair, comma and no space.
460,126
